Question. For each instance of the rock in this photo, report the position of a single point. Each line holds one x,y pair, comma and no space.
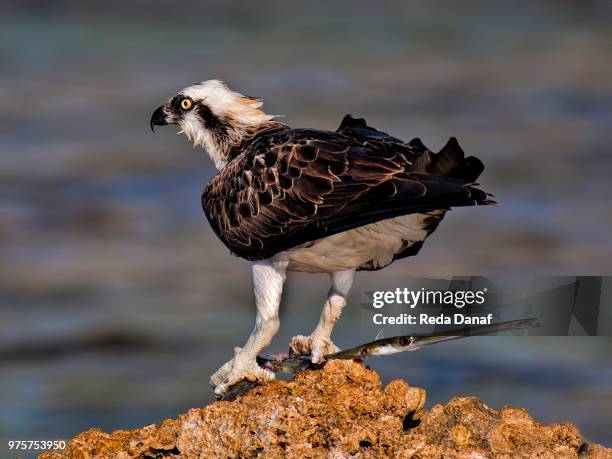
339,411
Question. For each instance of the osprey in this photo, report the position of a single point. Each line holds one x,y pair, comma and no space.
313,201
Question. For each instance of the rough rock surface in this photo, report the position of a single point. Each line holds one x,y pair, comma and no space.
339,411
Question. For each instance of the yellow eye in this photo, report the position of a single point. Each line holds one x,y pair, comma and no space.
186,104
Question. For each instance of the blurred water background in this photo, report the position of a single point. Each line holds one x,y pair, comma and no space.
116,300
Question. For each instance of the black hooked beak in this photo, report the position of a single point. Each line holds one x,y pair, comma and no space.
158,118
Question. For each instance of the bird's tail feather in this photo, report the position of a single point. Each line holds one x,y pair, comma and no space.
450,161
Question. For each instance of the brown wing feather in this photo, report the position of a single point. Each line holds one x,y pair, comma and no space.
297,186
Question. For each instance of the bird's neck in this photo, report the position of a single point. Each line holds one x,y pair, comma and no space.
223,146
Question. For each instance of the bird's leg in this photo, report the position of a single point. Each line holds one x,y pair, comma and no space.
268,279
319,343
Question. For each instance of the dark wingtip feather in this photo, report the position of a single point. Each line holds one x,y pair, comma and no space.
450,161
449,157
480,197
453,143
348,122
469,169
417,144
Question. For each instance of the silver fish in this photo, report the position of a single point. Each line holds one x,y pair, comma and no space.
407,343
292,364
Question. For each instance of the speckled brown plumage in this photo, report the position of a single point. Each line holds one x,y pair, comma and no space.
286,187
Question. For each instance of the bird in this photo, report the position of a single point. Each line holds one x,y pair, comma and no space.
314,201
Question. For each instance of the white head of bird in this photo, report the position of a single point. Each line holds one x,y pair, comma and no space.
214,117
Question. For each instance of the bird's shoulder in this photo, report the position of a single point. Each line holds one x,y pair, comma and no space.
307,164
295,155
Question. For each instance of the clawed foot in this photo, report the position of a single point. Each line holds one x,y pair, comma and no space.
236,370
315,346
